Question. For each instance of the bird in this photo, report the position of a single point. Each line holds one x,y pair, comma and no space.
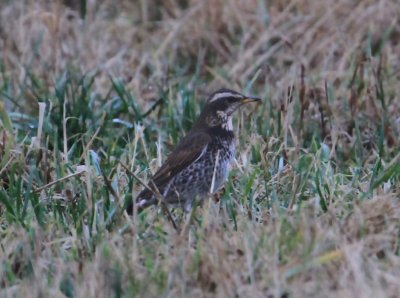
199,165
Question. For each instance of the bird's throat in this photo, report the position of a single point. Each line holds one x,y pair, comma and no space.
225,121
227,124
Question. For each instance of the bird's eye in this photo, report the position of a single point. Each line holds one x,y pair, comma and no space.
232,99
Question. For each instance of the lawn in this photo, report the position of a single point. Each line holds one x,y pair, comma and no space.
95,94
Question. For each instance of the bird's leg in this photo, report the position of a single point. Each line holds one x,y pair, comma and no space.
188,217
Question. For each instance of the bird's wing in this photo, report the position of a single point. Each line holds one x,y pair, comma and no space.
190,149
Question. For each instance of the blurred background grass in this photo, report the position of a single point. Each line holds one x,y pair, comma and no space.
312,205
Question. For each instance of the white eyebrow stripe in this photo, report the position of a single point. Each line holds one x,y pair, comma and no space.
224,94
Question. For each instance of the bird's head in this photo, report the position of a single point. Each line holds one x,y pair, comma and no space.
221,105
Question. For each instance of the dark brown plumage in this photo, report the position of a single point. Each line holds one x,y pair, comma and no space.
200,164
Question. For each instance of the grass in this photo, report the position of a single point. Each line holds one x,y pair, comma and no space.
90,89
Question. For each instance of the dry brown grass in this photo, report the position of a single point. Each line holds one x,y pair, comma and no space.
229,40
320,160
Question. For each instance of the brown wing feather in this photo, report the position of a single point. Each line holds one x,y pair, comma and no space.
189,150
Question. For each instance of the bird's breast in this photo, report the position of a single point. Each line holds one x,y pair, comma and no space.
224,152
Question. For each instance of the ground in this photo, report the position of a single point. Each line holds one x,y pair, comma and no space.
95,94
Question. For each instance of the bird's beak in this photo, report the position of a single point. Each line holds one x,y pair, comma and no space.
247,99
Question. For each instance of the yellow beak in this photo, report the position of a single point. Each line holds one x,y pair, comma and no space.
250,99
